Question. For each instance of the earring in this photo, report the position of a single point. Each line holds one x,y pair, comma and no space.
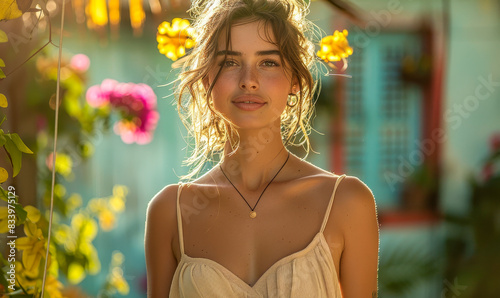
292,100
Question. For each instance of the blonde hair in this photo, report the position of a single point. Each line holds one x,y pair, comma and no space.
209,128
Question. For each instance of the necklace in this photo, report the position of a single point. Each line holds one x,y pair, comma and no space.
253,214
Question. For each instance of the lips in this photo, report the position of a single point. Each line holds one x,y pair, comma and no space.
249,102
250,99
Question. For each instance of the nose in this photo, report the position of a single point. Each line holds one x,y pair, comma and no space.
249,79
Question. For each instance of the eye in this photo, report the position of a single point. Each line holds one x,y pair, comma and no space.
270,63
228,63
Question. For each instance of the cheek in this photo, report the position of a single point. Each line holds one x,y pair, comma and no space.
221,93
278,86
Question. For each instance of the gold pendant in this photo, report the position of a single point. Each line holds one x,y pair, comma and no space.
253,214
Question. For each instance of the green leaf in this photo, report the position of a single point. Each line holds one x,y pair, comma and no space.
19,143
20,213
3,280
14,155
3,36
2,63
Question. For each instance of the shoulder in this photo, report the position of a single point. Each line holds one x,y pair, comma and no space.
357,206
164,200
160,235
355,192
161,211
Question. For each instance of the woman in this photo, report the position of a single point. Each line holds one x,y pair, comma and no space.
262,222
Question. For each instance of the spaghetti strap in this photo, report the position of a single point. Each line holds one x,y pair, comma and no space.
179,219
329,208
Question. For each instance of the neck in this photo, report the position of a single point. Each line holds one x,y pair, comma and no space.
256,161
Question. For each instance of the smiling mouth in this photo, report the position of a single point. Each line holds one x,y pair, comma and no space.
248,105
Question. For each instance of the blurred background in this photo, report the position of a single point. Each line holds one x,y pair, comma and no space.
418,121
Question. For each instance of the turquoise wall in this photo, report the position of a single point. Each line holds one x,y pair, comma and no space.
145,169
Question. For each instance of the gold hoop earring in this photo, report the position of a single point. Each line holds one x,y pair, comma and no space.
292,100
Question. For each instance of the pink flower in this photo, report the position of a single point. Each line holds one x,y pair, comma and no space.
495,142
80,62
95,97
136,105
487,171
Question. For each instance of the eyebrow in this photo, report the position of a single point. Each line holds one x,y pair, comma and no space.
259,53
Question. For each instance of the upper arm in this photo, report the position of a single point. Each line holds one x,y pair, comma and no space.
161,227
359,260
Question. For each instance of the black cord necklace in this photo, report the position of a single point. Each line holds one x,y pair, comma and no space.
253,214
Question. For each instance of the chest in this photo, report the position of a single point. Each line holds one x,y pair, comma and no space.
287,225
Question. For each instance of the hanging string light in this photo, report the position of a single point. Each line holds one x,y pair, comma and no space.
114,14
137,15
97,14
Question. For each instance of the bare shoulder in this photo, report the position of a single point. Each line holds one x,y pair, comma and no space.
356,204
354,196
161,229
355,191
163,204
161,217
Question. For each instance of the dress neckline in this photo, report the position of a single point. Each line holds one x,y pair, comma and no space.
319,237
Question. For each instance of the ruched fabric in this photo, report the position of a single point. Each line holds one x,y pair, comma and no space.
309,272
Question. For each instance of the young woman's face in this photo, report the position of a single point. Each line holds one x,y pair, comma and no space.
253,86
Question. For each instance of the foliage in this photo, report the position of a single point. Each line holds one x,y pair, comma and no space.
75,226
404,266
473,261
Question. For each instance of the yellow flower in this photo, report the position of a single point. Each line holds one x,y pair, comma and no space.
97,204
117,203
90,252
76,273
74,201
120,190
173,39
335,47
118,282
33,213
33,247
23,280
107,220
53,287
3,175
64,235
117,258
85,225
64,163
59,190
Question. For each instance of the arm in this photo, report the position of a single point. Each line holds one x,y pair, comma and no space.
161,228
359,260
